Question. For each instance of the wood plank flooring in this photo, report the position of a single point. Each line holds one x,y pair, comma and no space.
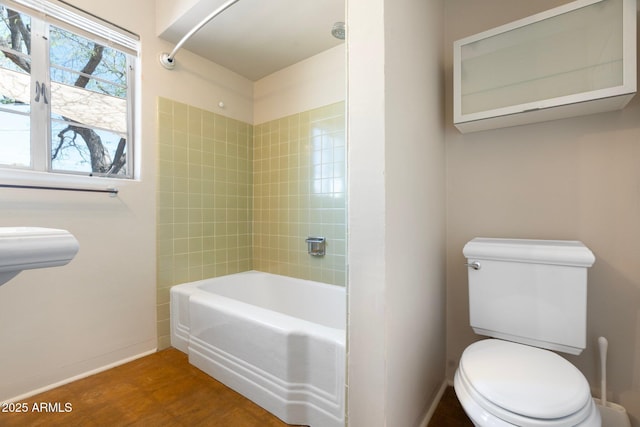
162,389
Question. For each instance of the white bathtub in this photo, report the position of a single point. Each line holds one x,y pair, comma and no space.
278,341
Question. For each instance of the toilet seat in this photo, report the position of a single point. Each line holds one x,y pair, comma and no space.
491,376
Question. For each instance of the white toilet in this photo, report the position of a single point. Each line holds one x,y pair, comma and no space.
531,296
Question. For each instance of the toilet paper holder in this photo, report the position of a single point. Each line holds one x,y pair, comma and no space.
316,246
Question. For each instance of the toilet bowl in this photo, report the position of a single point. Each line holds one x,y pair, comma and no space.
503,384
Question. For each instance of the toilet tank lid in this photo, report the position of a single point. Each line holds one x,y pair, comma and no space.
557,252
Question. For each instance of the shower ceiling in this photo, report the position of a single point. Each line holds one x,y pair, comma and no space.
255,38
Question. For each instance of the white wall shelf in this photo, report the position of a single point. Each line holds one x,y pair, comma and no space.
576,59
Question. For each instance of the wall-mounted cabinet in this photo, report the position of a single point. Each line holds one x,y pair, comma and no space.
576,59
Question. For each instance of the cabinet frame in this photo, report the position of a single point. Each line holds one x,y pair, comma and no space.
589,102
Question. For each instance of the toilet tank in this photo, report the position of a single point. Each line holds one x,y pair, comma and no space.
529,291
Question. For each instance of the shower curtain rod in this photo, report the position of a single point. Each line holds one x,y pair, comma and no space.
168,59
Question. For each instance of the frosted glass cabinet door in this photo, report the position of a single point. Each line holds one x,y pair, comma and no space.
576,59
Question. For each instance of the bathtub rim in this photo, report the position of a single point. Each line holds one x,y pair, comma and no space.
179,332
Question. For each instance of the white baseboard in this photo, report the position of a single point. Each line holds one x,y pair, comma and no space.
434,405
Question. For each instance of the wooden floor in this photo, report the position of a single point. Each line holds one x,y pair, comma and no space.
449,413
162,389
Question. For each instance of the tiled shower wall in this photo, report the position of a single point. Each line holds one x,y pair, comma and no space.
204,199
234,197
299,173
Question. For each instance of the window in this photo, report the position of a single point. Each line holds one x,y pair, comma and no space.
66,91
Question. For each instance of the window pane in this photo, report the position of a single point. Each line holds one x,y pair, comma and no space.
15,30
15,88
15,146
77,61
80,149
89,105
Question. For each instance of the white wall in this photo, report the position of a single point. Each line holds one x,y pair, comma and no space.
315,82
100,309
366,289
396,211
415,205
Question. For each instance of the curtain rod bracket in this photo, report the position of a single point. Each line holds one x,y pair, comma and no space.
167,61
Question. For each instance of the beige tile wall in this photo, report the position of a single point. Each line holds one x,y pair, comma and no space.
234,197
204,199
299,191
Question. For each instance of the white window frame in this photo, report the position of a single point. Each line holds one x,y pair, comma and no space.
64,16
